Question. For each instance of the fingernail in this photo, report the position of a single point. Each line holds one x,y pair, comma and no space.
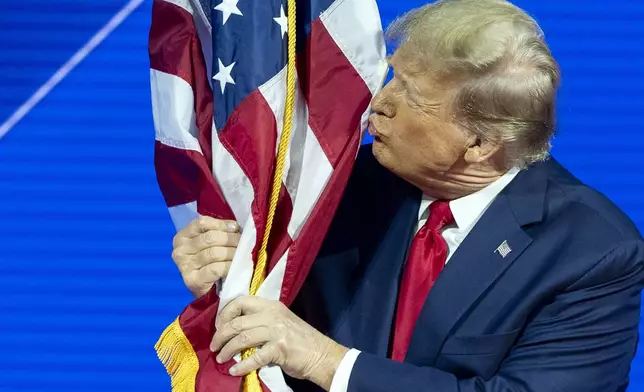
232,226
233,371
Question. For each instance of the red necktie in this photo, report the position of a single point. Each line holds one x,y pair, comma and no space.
427,257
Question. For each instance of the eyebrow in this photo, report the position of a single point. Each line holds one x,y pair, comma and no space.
400,76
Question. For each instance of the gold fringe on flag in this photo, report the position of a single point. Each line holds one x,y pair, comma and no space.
178,357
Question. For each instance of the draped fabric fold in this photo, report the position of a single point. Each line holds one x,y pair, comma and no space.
219,84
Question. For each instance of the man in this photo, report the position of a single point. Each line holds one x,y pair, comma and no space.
462,257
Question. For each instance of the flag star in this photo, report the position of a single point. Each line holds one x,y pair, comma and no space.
282,20
223,76
227,8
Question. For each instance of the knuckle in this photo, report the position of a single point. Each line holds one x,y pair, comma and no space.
214,254
178,240
281,330
213,237
177,257
244,337
190,282
213,273
236,325
208,237
201,222
233,239
279,309
282,345
262,357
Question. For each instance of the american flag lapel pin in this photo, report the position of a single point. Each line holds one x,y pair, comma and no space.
503,249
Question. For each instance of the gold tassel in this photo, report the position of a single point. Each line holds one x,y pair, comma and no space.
179,358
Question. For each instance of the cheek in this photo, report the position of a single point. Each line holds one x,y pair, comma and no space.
435,145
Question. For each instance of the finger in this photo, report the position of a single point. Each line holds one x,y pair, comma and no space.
214,254
246,339
242,306
203,224
267,355
233,328
211,273
211,239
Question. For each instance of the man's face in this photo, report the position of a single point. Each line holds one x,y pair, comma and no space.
414,136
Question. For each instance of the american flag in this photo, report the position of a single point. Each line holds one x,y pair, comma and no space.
218,79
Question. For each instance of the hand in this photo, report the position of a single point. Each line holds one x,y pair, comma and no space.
203,252
286,340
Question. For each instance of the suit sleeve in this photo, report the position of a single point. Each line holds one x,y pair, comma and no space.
583,340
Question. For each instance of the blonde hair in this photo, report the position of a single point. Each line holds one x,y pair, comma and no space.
506,78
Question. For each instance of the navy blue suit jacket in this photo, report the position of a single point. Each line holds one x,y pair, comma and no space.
559,313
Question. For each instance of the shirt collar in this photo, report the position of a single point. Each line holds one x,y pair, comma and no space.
468,209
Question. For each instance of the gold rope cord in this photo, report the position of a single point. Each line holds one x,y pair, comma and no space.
251,381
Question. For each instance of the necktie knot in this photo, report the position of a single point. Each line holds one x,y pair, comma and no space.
440,215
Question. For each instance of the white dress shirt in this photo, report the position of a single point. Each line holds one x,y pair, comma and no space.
467,211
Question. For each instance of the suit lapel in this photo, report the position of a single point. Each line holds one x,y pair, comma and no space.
492,246
381,261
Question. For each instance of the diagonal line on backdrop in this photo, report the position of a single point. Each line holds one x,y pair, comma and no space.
63,71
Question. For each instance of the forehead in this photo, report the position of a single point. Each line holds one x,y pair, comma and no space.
409,66
411,69
404,62
424,86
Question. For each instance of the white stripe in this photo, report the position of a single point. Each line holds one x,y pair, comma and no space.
307,168
274,93
271,288
183,214
355,27
173,111
310,179
204,31
273,378
237,283
185,4
232,180
63,71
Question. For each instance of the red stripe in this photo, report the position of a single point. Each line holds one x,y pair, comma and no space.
184,177
280,240
250,136
197,324
334,121
175,49
336,94
337,98
178,173
307,245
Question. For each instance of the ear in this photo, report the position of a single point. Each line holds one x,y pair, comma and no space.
480,150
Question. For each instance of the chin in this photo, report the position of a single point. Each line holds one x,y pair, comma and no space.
383,155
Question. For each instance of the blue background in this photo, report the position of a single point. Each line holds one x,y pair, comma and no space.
86,279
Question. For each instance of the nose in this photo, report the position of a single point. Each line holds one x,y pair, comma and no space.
381,103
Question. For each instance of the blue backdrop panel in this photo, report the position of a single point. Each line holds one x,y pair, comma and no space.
86,279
